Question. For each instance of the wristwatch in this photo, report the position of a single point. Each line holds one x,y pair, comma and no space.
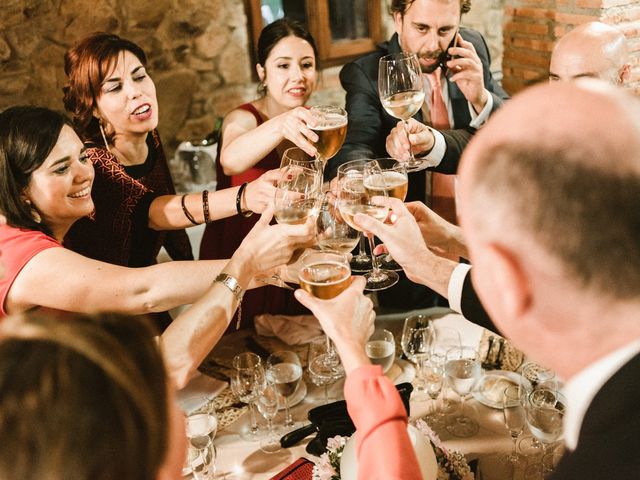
232,284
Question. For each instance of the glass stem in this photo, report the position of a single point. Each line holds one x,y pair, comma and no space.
288,421
406,130
254,421
374,262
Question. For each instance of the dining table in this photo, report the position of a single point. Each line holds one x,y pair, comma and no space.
238,458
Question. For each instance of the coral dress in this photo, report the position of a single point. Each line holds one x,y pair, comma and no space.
222,237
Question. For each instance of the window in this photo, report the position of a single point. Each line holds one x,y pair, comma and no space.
342,29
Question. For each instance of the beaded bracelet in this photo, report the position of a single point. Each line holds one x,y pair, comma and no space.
186,212
247,213
205,206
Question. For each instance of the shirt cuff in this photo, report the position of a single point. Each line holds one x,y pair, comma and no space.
456,281
436,154
479,119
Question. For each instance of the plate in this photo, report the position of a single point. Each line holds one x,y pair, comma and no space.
297,396
491,386
401,371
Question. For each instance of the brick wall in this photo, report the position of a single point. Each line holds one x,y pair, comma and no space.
531,28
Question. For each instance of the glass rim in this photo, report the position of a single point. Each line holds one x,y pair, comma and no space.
236,360
397,56
309,158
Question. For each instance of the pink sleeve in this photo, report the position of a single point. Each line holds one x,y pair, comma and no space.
383,448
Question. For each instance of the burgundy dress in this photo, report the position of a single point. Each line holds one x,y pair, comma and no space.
222,237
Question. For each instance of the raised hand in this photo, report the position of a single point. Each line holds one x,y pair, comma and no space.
260,192
467,72
420,140
295,127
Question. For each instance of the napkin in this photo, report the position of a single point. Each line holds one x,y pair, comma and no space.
200,390
291,329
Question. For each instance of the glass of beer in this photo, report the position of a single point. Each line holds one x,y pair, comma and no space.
401,93
354,198
395,181
324,274
298,194
331,128
332,232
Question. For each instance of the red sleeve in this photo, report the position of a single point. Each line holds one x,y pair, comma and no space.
383,447
18,247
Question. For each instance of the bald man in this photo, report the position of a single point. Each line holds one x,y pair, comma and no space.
593,49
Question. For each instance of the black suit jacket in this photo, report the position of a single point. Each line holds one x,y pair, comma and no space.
369,123
609,442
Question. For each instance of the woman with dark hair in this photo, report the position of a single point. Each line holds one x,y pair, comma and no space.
115,110
86,397
255,135
45,187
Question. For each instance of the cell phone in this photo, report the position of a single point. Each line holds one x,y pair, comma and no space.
447,57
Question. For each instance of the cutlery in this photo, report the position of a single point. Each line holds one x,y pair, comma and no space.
487,364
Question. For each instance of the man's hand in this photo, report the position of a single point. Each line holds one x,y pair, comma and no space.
419,140
466,69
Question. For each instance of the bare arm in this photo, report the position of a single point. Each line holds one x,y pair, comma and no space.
244,143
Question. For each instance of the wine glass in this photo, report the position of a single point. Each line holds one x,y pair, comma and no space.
247,381
445,339
201,430
401,93
332,232
297,156
268,405
284,371
514,419
416,341
432,378
533,376
297,194
361,262
544,414
331,128
381,349
324,368
353,198
462,369
395,181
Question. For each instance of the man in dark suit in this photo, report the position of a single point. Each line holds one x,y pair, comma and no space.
552,232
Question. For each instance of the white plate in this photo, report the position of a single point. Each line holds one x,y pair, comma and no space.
401,371
297,396
492,384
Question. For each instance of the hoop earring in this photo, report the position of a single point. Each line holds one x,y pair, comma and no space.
104,137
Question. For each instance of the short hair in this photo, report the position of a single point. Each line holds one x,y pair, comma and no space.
401,6
28,134
86,65
567,193
82,397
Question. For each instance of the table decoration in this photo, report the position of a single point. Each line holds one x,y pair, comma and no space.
452,465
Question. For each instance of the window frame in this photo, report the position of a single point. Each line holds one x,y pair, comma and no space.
330,52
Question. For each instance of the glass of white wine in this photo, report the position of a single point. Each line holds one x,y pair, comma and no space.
331,128
284,371
401,93
332,232
381,349
393,179
298,194
297,156
354,198
462,369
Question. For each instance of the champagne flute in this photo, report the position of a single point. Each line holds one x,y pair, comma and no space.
354,198
514,419
247,381
462,369
325,274
417,340
401,93
433,379
544,414
395,181
323,370
381,349
268,404
331,128
284,371
332,232
297,194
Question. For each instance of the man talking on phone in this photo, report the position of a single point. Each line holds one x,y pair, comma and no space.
460,94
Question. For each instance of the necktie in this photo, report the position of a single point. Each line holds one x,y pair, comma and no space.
442,186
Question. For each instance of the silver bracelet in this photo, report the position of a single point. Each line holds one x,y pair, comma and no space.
232,284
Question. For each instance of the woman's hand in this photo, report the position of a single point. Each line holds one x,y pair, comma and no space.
347,319
295,126
259,193
420,139
268,246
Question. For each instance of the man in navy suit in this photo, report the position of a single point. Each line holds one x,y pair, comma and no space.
548,194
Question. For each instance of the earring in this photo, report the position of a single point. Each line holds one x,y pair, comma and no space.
34,213
104,137
262,88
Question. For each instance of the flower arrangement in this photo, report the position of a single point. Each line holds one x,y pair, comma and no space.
452,465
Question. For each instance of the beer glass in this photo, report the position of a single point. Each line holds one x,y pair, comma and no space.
401,93
331,128
354,198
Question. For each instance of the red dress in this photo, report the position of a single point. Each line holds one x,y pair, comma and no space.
18,247
222,237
